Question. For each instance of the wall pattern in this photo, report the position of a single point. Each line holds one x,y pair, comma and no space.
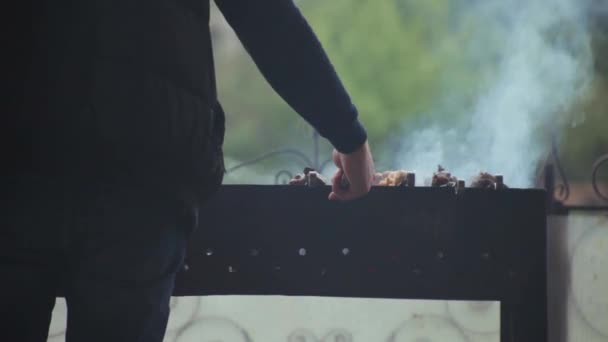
578,278
310,319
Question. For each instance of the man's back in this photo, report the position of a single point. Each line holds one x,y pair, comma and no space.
120,91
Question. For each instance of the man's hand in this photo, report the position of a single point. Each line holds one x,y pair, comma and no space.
358,169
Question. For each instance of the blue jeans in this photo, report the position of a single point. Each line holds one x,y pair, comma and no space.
112,254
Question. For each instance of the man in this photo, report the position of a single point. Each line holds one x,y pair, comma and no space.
117,138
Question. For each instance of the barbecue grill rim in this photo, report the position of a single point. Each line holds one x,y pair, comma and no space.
376,189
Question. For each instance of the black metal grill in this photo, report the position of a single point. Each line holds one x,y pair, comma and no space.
415,243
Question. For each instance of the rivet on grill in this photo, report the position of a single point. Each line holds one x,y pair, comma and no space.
209,252
277,268
302,252
186,268
254,252
440,255
323,272
485,255
345,251
231,269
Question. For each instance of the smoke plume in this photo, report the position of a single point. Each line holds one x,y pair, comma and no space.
543,66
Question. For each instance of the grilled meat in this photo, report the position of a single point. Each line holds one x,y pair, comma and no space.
485,180
443,178
310,177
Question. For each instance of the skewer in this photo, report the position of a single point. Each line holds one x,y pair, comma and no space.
460,184
411,180
499,182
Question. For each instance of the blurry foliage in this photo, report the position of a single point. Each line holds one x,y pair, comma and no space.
395,57
587,137
402,61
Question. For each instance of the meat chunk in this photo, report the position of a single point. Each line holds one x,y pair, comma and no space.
485,180
443,178
315,179
391,178
299,179
310,177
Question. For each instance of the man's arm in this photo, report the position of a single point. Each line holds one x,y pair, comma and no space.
292,60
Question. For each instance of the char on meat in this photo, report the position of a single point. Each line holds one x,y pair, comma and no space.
310,177
485,180
391,178
443,178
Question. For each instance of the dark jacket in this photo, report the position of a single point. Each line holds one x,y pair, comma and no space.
122,92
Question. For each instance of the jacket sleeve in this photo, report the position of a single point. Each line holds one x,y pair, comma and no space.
292,60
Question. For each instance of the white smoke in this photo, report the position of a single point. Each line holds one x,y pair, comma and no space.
543,69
